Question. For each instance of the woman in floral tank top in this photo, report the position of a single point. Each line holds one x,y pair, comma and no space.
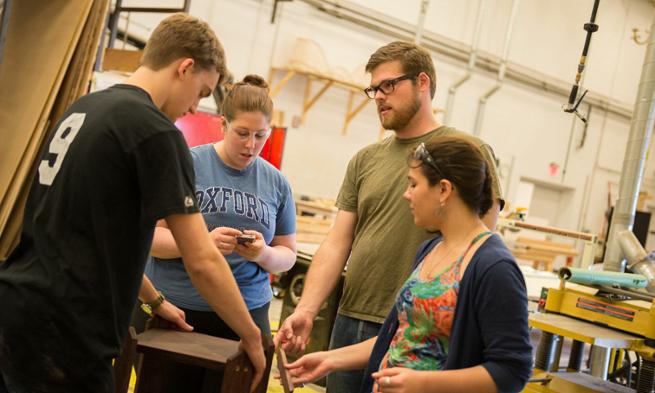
446,332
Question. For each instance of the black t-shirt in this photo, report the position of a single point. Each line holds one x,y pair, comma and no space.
114,166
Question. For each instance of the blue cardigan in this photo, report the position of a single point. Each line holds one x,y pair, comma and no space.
490,326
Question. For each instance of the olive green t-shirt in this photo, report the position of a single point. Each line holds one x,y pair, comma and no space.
385,239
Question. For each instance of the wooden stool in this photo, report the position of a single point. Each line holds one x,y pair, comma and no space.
160,346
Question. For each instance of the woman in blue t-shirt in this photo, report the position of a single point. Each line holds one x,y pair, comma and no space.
460,320
249,210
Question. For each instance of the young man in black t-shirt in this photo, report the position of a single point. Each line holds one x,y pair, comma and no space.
114,165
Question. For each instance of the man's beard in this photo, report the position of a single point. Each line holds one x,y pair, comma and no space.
402,116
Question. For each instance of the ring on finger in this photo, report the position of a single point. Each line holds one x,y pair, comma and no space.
387,381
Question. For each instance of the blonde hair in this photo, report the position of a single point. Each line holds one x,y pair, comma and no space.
181,36
249,95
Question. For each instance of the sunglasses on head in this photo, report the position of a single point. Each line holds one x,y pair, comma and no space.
422,154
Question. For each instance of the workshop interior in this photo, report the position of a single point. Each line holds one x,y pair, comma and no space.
563,91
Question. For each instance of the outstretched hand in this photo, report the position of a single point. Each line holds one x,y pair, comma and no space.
293,335
174,315
310,368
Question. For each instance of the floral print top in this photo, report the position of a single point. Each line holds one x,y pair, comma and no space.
425,313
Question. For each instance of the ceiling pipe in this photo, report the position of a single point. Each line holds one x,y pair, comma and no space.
634,159
482,103
420,25
452,90
369,18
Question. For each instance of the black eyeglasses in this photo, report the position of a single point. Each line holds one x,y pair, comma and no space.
387,86
422,154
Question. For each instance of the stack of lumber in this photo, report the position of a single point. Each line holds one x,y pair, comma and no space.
314,218
48,59
121,60
543,253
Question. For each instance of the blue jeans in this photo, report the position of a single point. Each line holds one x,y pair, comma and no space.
349,331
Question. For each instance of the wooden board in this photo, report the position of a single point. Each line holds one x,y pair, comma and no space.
76,75
545,246
38,52
121,60
207,351
583,331
285,377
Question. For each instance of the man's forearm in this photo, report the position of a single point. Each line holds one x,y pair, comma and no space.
210,273
323,275
216,284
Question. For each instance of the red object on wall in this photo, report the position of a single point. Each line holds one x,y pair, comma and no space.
274,147
203,128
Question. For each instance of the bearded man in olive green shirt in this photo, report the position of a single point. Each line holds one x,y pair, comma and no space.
374,230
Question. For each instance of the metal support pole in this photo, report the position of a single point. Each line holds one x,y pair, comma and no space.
113,23
548,352
576,356
600,361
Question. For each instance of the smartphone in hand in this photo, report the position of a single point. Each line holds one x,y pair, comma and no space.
245,239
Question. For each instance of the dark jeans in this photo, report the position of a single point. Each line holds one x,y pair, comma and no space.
349,331
192,379
210,323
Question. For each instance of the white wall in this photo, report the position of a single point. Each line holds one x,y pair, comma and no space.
520,123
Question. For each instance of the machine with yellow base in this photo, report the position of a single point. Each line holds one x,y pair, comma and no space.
615,322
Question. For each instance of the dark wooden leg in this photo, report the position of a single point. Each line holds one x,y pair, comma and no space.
151,374
124,362
238,374
269,350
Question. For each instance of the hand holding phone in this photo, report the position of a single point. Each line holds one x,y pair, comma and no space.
250,244
245,239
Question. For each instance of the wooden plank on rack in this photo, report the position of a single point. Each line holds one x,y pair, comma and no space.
73,86
285,79
307,105
121,60
350,114
38,52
